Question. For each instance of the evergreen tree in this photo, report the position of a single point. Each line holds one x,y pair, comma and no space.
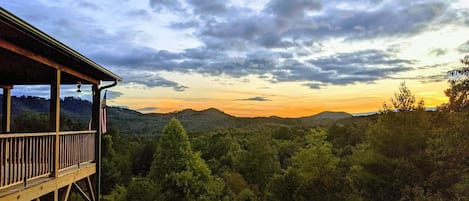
178,173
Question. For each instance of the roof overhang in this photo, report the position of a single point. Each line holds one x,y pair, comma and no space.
29,56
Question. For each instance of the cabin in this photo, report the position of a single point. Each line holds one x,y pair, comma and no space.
53,164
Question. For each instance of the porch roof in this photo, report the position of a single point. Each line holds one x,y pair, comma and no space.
29,56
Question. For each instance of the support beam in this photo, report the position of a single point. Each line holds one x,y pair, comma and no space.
55,118
95,125
90,187
67,193
6,116
31,55
56,195
81,192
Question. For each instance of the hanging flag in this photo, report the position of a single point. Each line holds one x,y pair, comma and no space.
103,115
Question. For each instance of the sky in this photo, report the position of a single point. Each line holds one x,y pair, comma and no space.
286,58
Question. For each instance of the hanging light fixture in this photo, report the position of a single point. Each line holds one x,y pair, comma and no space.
78,86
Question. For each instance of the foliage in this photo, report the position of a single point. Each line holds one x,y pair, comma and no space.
178,172
118,194
258,162
409,154
459,88
142,189
313,174
404,100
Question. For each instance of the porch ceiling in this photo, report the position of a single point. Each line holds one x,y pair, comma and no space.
20,46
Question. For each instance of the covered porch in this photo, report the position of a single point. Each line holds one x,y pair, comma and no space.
47,165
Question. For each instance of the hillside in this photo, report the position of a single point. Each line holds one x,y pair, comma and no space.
133,122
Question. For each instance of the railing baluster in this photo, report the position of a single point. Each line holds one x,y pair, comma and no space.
30,155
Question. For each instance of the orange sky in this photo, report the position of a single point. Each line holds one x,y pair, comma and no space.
260,57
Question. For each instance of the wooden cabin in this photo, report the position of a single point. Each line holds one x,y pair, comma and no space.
51,164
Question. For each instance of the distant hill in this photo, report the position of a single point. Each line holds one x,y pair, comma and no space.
133,122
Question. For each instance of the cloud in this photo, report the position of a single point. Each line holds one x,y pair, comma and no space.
207,7
270,42
434,78
438,51
464,48
151,79
170,5
314,85
286,11
256,98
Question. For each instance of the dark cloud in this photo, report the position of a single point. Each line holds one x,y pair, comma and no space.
348,68
440,77
283,24
464,48
151,79
208,6
256,98
315,85
270,43
170,5
286,10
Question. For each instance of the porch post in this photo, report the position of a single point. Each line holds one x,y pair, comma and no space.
96,125
6,109
55,118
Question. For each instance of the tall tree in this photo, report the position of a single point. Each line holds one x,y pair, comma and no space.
459,88
404,100
259,162
313,174
178,172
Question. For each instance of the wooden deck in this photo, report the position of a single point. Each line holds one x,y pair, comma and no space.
43,185
35,164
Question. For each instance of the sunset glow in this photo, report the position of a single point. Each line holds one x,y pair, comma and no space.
260,58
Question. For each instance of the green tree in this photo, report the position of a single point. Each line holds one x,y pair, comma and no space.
393,156
143,157
459,88
142,189
313,174
111,175
404,100
178,173
258,162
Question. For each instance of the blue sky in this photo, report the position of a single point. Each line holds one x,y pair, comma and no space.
261,58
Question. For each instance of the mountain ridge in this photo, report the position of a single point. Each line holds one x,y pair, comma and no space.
134,122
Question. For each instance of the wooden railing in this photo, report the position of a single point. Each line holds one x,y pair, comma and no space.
26,156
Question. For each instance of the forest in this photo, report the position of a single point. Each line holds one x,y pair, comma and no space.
402,153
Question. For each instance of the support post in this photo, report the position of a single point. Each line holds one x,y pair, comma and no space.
55,118
95,125
6,110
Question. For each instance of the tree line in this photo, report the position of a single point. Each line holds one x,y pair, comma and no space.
403,153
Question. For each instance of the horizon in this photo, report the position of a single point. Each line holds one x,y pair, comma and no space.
259,58
361,114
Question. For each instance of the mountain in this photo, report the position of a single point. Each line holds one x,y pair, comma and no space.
329,115
133,122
